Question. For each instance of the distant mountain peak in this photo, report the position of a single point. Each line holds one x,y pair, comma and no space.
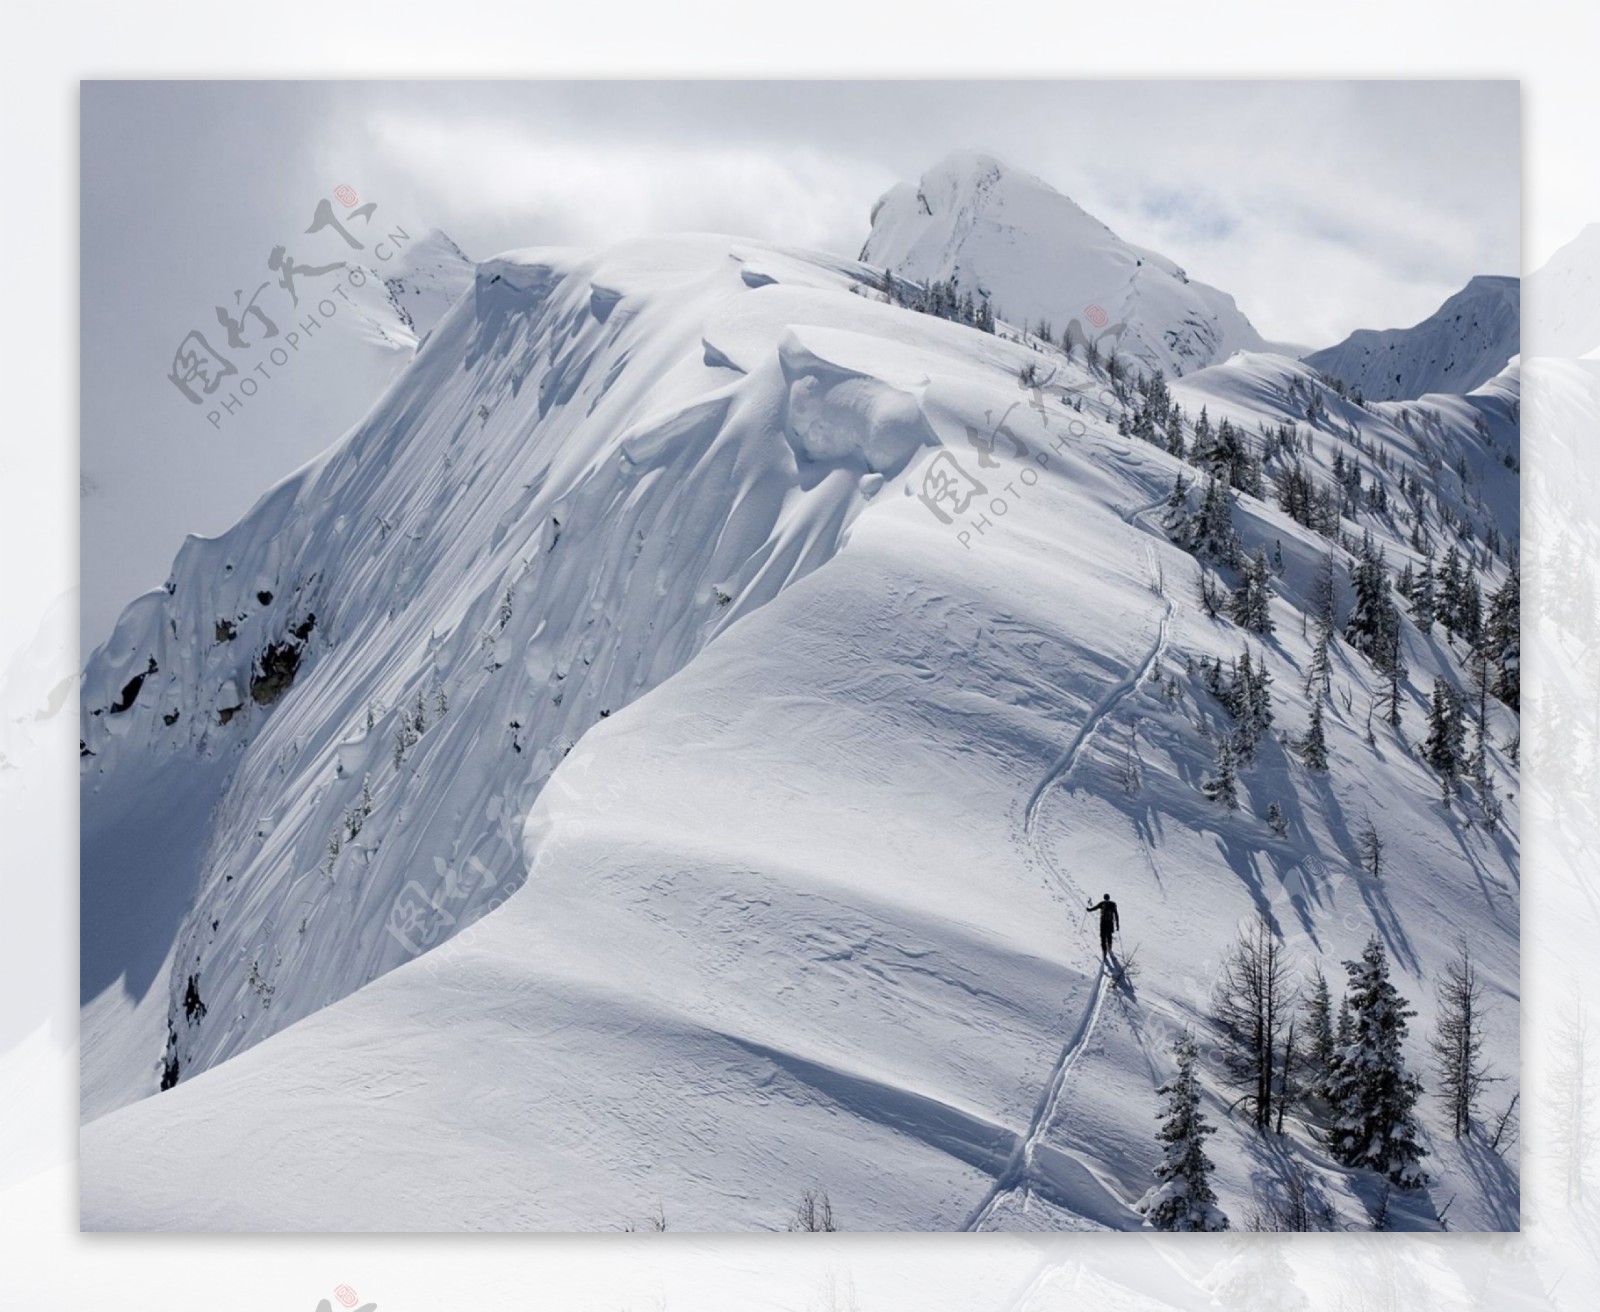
1461,345
1037,255
426,278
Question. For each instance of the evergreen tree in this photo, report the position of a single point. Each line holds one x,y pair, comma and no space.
1319,673
1247,695
1325,595
1443,748
1502,640
1224,453
1174,432
1470,619
1371,1093
1258,688
1175,515
1249,606
1297,495
1447,609
1223,787
1183,1199
1314,746
1478,759
1373,626
1200,446
1211,534
1318,1043
1344,1034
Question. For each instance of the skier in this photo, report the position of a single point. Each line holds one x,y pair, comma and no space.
1109,923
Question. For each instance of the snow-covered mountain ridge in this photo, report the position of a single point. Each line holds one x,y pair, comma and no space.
1461,345
521,532
654,618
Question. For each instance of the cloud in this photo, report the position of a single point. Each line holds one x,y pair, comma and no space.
1322,207
597,191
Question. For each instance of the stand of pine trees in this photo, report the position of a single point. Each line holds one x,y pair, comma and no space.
1285,1049
940,299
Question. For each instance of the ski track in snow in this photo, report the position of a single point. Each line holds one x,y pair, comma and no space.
1019,1170
1068,761
1018,1175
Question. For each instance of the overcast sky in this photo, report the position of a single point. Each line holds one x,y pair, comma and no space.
1322,207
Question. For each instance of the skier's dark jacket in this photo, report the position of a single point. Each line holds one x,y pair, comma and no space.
1109,919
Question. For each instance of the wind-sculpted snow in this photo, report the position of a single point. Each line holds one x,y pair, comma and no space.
348,701
803,905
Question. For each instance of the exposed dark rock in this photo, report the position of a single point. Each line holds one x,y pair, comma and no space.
276,667
274,672
169,1062
130,690
193,1009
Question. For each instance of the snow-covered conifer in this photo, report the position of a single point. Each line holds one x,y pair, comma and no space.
1371,1093
1183,1198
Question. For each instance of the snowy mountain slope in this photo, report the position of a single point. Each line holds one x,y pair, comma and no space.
555,508
805,910
1461,345
380,310
998,232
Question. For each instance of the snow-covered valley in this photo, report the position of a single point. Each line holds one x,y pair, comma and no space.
658,762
